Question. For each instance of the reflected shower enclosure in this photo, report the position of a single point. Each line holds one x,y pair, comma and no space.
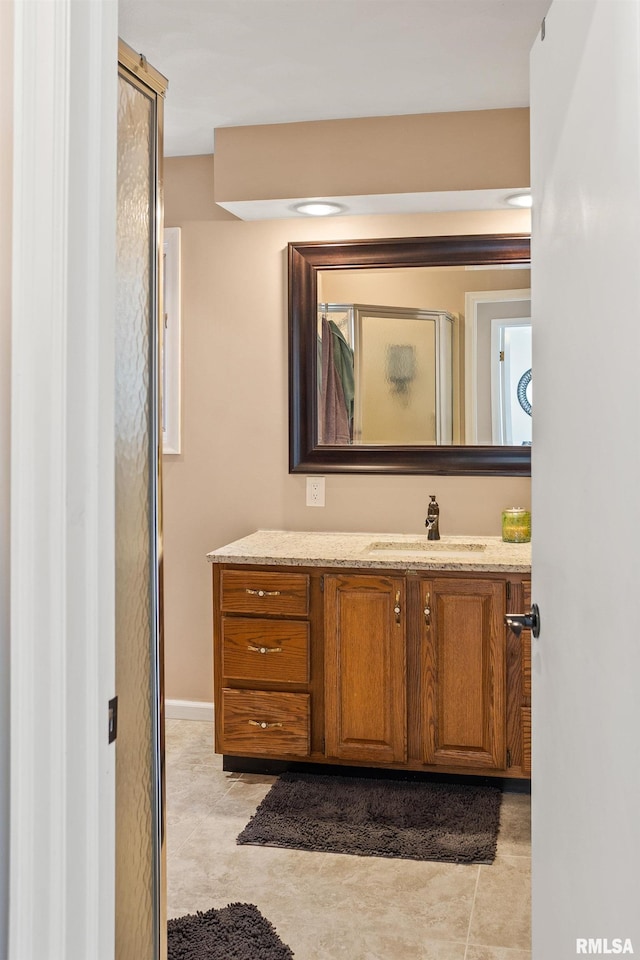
385,375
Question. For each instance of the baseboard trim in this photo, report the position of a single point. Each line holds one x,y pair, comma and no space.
188,710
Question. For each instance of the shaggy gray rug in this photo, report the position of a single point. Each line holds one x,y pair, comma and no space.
236,932
413,820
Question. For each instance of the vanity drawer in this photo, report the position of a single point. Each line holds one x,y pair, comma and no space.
255,649
265,723
263,592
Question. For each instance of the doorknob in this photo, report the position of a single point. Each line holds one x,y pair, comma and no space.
524,621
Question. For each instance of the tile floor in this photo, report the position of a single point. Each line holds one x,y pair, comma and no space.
331,906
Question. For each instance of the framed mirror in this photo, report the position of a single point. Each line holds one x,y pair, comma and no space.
397,356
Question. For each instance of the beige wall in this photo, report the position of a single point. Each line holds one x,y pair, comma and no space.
231,477
188,190
467,150
427,288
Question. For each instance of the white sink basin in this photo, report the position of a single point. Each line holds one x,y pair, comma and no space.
424,546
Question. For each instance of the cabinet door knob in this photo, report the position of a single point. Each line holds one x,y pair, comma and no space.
524,621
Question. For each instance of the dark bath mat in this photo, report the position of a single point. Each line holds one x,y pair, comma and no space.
412,820
236,932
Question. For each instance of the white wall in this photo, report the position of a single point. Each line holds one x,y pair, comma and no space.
6,138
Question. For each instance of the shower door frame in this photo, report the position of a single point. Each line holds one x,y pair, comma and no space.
134,68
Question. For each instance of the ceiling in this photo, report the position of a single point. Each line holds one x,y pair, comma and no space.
244,62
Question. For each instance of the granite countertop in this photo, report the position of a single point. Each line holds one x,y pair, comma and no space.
376,550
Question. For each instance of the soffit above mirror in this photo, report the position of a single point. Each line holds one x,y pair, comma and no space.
402,161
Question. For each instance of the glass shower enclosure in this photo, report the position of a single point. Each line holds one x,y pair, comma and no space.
140,842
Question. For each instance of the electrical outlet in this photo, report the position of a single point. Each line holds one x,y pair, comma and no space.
315,491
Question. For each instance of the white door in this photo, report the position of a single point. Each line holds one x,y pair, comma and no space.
585,108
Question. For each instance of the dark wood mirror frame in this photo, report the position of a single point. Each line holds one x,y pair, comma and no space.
305,259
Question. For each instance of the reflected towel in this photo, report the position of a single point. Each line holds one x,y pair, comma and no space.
334,419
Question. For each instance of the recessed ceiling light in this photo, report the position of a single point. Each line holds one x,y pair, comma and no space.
520,200
318,208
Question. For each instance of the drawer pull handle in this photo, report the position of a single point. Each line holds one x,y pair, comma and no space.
250,646
396,609
262,593
263,724
427,610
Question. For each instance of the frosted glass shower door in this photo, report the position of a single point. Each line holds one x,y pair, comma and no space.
403,376
139,776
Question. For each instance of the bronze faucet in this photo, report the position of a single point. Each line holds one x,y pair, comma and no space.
432,523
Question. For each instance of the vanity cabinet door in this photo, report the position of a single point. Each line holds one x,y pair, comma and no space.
464,671
365,668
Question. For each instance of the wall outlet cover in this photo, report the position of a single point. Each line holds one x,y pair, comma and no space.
315,491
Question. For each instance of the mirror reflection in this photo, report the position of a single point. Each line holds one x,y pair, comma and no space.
424,356
432,334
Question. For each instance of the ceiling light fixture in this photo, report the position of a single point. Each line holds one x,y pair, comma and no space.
520,200
318,208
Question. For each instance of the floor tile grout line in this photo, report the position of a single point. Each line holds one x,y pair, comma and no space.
473,905
200,820
512,856
177,849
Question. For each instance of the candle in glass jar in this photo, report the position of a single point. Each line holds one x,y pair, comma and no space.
516,525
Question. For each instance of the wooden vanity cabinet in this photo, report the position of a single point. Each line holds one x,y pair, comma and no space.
397,669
